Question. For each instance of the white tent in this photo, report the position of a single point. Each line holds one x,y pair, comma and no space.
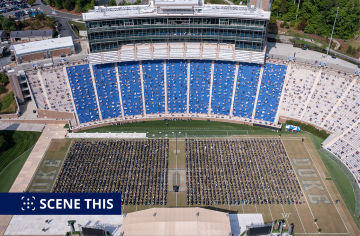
176,221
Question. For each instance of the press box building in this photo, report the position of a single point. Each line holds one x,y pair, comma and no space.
178,29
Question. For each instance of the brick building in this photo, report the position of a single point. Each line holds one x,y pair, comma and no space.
39,50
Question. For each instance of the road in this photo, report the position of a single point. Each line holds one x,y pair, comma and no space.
61,17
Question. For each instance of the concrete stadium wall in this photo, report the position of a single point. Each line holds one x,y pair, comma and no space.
8,116
54,114
56,122
162,118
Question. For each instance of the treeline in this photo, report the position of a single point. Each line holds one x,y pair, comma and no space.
317,16
78,5
84,5
309,128
40,19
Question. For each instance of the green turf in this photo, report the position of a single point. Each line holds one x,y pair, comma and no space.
339,178
8,176
18,143
195,128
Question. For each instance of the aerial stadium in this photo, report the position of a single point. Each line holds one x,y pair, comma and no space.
178,107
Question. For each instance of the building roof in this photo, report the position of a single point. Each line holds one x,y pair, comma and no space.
2,32
32,33
39,46
176,221
206,10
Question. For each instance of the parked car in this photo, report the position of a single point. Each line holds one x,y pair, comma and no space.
5,42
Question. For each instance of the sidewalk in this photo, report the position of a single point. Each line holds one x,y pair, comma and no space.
284,37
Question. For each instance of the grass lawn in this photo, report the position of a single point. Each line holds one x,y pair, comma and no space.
8,176
339,178
8,104
18,143
80,26
190,129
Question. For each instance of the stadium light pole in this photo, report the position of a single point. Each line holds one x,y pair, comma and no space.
327,52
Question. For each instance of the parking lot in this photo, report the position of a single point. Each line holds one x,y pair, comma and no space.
15,8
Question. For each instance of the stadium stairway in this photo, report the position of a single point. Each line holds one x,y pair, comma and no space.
283,91
165,88
234,88
318,76
118,82
142,86
338,103
211,87
43,87
188,86
96,94
72,97
257,92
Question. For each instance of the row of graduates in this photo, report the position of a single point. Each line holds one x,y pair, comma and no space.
136,168
242,171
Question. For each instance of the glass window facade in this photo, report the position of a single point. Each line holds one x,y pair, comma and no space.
109,35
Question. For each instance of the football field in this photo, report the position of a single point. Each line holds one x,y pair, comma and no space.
319,191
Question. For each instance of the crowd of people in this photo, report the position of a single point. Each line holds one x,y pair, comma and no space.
136,168
244,171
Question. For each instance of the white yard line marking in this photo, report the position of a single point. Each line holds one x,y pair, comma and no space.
297,177
272,218
300,218
284,212
328,191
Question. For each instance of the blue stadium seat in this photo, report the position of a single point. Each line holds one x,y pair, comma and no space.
200,79
246,87
270,92
154,91
107,90
176,79
130,84
83,92
222,90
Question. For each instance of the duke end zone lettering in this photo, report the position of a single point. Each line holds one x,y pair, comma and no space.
60,204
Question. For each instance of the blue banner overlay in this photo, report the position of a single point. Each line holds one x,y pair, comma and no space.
60,204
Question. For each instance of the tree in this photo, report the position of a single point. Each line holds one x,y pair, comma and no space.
122,3
31,2
8,23
302,24
353,51
39,16
275,6
2,141
112,3
349,50
32,26
51,22
69,5
309,29
272,20
2,89
38,24
283,7
4,79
